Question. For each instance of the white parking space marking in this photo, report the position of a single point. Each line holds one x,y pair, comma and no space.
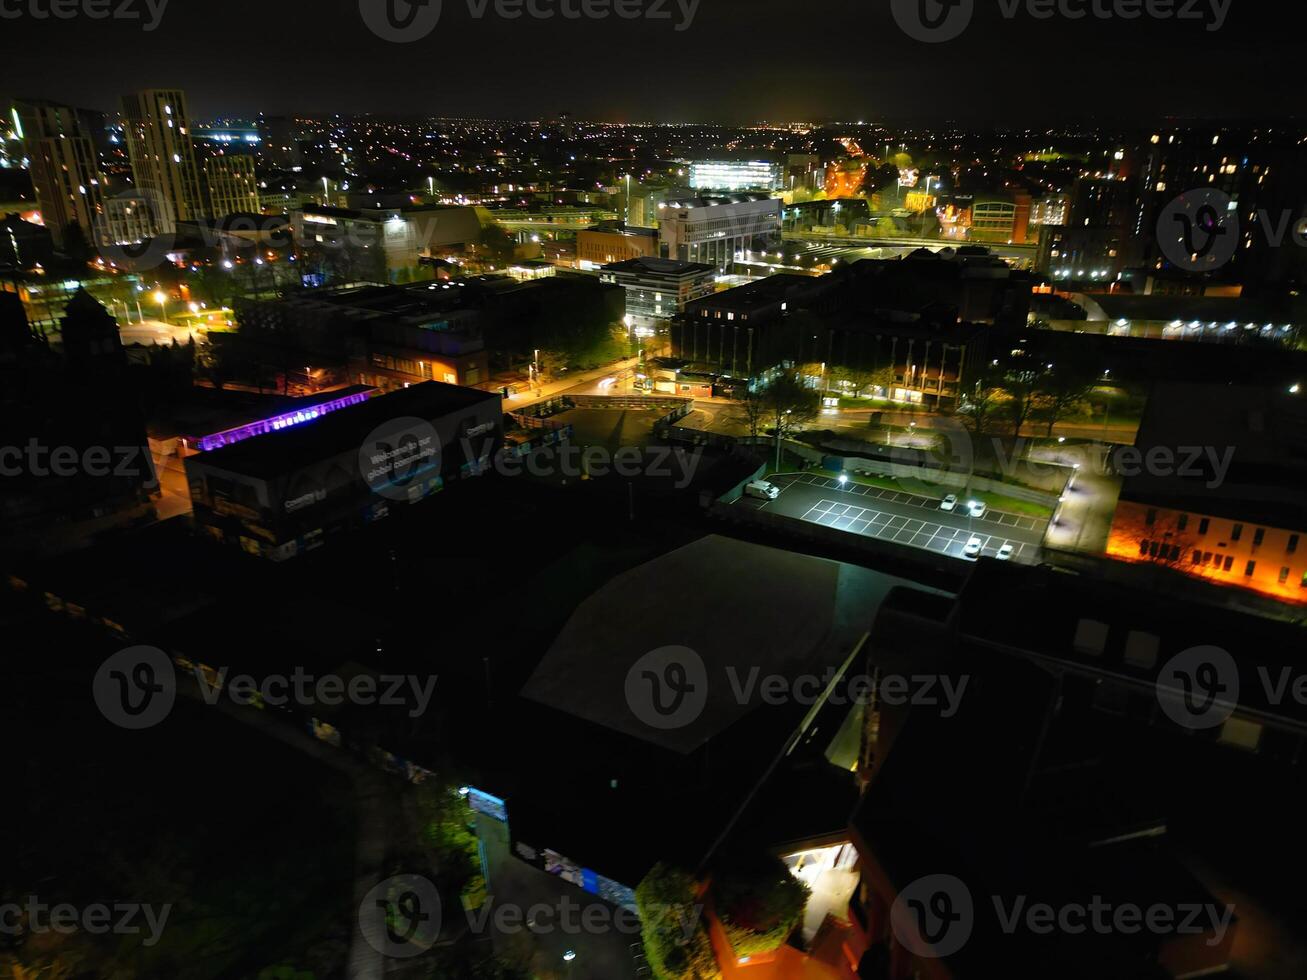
996,517
890,527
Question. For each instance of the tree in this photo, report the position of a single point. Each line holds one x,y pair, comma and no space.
983,400
789,406
877,179
77,248
497,246
1022,388
758,901
753,411
1064,388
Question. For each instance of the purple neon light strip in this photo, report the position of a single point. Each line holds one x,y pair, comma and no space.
277,423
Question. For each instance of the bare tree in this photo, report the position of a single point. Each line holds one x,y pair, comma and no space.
753,411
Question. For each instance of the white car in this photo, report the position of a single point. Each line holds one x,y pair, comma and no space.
949,502
1005,553
977,508
972,551
762,490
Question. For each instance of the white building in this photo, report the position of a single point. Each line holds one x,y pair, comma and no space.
726,175
715,230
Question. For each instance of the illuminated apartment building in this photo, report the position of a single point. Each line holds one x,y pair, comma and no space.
64,166
159,143
233,188
1216,487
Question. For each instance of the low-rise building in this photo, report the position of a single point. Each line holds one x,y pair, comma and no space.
1216,487
605,245
717,229
658,289
381,245
285,492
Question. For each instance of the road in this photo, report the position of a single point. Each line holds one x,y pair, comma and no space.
901,517
573,382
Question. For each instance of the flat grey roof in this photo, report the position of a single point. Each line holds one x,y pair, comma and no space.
743,608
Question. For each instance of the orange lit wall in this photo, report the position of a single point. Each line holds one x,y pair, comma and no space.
1279,562
786,963
844,183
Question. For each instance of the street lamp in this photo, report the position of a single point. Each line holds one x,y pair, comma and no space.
161,298
844,480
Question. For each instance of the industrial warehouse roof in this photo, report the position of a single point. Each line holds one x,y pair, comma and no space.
775,611
341,431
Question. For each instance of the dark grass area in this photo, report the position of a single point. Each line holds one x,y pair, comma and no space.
249,841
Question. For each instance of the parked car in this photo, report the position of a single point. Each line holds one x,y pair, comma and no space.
949,503
762,490
1005,553
977,508
972,550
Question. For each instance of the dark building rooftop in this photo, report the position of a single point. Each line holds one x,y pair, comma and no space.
657,266
1260,432
280,452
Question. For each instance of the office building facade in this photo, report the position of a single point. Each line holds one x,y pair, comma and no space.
658,289
719,175
713,230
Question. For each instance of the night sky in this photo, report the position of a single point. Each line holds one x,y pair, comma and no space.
738,61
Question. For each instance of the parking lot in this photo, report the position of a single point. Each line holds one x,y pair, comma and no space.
904,518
